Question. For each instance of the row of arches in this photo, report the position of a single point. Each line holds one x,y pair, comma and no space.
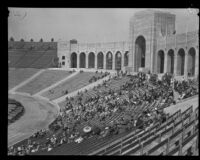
181,55
100,60
140,55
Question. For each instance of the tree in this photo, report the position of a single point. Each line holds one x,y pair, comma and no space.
22,40
41,40
31,39
12,39
52,40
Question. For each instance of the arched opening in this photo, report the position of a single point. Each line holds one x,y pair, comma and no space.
170,61
126,59
109,60
91,61
180,62
191,62
74,60
160,61
100,60
82,60
118,60
140,48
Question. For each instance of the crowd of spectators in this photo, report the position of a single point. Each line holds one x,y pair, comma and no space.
185,88
95,78
79,113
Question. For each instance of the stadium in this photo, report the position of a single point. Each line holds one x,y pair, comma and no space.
134,97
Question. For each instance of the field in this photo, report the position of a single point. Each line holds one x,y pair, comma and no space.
38,114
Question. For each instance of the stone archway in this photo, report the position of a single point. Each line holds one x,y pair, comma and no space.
82,60
180,62
100,60
170,61
140,49
126,58
160,61
191,62
109,59
91,60
118,60
73,60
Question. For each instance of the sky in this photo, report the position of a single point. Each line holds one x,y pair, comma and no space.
85,25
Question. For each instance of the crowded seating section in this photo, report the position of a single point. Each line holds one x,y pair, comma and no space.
120,106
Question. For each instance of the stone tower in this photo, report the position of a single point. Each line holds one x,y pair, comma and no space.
145,29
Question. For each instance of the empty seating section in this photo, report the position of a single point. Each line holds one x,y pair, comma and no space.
43,80
32,54
28,59
15,56
74,83
179,129
18,75
45,61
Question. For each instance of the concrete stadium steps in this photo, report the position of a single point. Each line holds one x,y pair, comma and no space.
115,117
46,60
28,59
36,58
18,75
15,56
43,80
115,84
72,84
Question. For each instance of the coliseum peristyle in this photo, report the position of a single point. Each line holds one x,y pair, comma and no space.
153,45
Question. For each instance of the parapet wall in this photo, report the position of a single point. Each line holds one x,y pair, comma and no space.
100,46
183,39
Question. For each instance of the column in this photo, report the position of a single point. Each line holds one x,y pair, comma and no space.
175,62
78,60
196,72
186,65
165,62
104,61
113,61
86,62
122,60
95,61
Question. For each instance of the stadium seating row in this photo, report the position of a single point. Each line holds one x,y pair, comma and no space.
74,83
126,146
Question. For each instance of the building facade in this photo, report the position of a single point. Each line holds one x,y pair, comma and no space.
153,45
